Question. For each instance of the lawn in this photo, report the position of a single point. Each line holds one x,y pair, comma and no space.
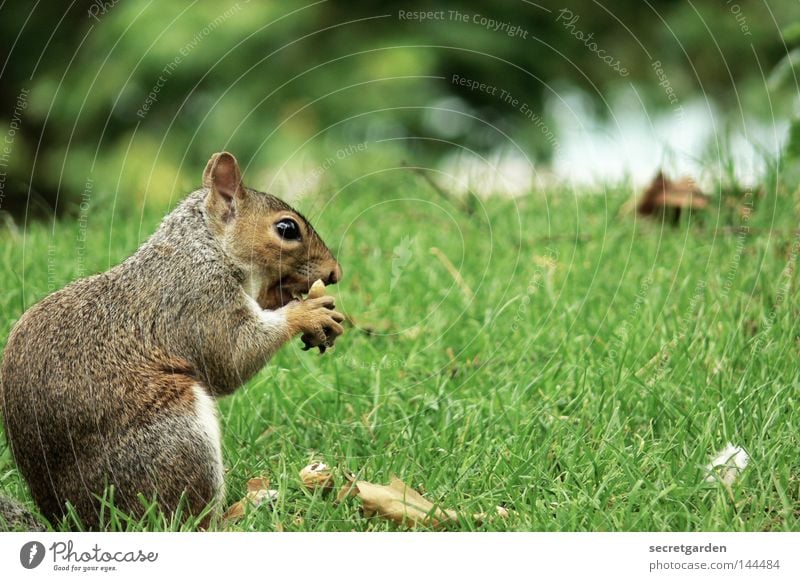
581,373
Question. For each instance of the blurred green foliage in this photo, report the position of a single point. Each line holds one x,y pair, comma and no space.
129,98
785,75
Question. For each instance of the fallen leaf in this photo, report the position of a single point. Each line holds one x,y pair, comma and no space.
255,485
349,490
234,512
258,492
401,504
663,194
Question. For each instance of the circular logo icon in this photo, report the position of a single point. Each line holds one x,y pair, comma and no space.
31,554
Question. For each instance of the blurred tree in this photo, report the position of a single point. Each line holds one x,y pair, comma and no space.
126,95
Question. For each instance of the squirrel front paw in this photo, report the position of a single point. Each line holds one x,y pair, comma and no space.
317,320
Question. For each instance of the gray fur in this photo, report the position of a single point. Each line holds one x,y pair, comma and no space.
14,516
97,378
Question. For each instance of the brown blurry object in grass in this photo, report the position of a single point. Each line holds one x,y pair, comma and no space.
669,198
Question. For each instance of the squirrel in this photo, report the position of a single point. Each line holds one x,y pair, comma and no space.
112,380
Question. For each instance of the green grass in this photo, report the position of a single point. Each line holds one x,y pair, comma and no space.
601,362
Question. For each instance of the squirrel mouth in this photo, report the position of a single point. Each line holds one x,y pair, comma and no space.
281,294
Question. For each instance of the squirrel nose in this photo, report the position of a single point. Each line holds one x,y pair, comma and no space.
335,275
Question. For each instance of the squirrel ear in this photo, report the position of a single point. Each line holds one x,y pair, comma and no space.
223,177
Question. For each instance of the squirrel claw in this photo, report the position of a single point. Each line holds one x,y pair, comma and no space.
307,346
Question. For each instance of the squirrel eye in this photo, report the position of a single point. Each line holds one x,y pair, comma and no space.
288,229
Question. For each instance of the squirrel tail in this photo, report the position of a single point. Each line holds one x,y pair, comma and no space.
14,516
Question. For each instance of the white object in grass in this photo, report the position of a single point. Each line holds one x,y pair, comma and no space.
727,465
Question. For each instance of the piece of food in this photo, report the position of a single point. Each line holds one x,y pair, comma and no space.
258,493
317,475
317,289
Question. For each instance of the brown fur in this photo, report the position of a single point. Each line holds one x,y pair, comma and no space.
100,380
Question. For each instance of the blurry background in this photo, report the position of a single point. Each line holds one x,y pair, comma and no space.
128,98
546,348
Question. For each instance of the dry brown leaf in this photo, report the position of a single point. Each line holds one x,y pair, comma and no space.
401,504
349,490
256,484
234,512
258,492
663,193
404,505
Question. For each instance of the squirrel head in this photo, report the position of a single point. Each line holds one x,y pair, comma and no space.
277,248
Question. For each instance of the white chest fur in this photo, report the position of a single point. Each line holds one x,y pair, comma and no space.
208,423
252,285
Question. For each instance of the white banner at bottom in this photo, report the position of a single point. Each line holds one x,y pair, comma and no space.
407,556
